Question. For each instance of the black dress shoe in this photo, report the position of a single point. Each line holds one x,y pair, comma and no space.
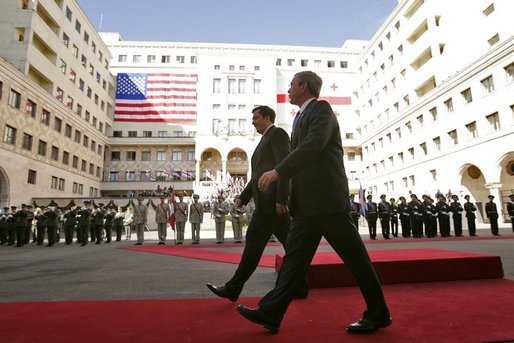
259,317
365,326
223,292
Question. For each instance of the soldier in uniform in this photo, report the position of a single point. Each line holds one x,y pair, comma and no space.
416,216
140,219
162,218
219,210
429,214
29,228
118,223
196,218
371,209
84,222
11,226
394,217
52,221
21,225
384,213
237,224
180,218
355,210
492,213
443,216
3,226
69,225
403,209
128,222
98,218
40,225
456,209
470,209
510,210
109,223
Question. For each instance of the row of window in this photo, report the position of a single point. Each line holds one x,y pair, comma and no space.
176,155
235,86
157,175
160,133
10,137
14,101
153,59
493,122
59,183
292,62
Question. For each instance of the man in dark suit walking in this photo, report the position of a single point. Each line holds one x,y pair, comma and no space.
315,166
271,212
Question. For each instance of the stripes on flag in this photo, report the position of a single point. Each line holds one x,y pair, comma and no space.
157,97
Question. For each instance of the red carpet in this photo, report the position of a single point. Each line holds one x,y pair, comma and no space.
465,311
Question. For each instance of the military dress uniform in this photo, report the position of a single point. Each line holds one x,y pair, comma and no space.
21,226
470,209
355,212
109,222
384,213
98,219
11,226
162,218
416,218
70,221
180,219
40,226
196,219
394,218
443,216
371,208
403,209
3,226
456,209
140,219
84,224
492,213
510,211
118,224
52,221
220,210
237,224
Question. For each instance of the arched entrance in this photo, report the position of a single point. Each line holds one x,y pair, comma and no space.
473,181
237,164
210,164
4,189
507,182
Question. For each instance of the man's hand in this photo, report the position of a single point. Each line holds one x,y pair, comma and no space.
267,179
238,203
282,209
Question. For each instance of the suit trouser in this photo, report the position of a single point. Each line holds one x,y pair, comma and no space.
20,235
140,231
220,231
108,233
161,231
52,233
301,245
238,230
405,220
372,227
181,228
472,227
83,232
195,232
444,225
98,233
457,224
119,229
494,224
394,226
384,223
68,234
40,234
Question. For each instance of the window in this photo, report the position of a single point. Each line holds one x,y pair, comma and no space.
79,112
132,133
14,99
216,83
65,39
70,102
31,177
59,94
162,133
180,59
466,95
330,64
488,85
57,124
509,71
165,59
472,130
131,155
117,134
400,156
65,157
67,130
241,86
122,58
85,141
420,120
256,86
176,155
278,62
78,26
115,155
343,64
114,176
75,51
437,143
290,62
449,105
423,147
147,133
100,149
55,182
27,142
31,108
409,126
351,156
494,121
82,84
91,168
193,59
130,175
9,135
68,13
433,112
83,165
411,153
399,132
489,9
78,135
75,162
190,155
493,40
54,153
146,155
453,137
231,86
41,150
304,63
62,67
161,155
151,59
136,58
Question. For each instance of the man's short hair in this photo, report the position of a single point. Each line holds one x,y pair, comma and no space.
265,111
313,81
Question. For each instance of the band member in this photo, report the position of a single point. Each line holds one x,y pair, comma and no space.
52,222
109,223
70,221
456,209
98,218
21,225
492,213
118,223
84,222
384,213
40,224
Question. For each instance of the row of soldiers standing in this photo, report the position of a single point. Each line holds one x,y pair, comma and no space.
421,218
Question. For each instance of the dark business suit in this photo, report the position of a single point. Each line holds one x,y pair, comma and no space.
320,206
273,148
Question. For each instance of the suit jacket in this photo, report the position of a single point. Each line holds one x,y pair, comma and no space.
315,165
272,149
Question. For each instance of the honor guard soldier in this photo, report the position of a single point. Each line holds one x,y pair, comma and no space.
355,210
492,214
371,209
162,218
196,218
456,209
109,223
98,219
510,210
3,226
21,225
394,217
237,224
443,215
470,209
70,221
416,216
429,217
11,226
180,218
403,209
84,222
220,210
140,219
118,223
384,213
52,221
40,224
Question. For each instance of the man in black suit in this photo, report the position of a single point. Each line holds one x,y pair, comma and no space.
315,166
271,212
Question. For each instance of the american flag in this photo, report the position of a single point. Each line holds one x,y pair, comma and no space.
156,98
